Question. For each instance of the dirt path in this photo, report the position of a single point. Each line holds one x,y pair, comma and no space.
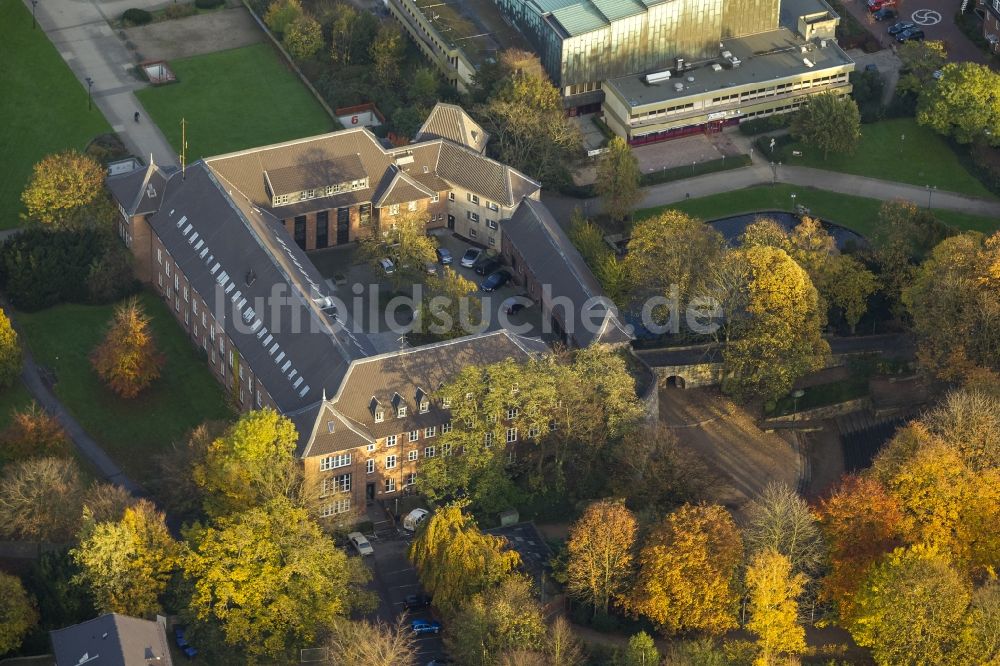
727,438
195,35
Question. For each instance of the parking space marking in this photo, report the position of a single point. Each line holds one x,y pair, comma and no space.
926,17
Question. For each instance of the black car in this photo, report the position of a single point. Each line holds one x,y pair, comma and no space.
911,35
884,14
487,267
416,601
899,27
495,281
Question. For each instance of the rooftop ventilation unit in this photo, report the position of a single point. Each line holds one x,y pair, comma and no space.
690,79
716,67
678,86
736,62
658,77
822,43
728,55
679,64
808,62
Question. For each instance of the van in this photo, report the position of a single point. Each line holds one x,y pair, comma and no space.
413,519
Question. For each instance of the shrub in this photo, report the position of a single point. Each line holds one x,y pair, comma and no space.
136,17
179,10
766,124
208,4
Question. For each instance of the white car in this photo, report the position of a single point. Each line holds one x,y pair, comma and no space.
470,257
413,519
361,544
387,266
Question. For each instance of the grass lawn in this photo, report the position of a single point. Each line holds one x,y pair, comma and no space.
857,213
921,158
13,398
234,100
131,431
43,106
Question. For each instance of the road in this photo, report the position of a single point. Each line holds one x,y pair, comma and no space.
81,33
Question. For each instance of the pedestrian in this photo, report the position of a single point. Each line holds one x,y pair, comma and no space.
136,116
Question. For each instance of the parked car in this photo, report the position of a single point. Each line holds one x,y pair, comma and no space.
387,266
513,305
420,627
361,544
416,601
900,26
875,5
470,257
487,267
413,519
444,255
884,14
180,637
911,35
495,281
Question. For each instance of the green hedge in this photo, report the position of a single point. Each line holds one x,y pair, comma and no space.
208,4
136,17
766,124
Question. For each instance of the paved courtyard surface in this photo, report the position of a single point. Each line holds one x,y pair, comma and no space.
668,154
195,35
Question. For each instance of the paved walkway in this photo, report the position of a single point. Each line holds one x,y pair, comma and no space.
81,34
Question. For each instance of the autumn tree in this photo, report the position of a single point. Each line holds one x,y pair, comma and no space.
849,286
494,621
455,560
372,643
779,338
861,522
780,520
61,186
640,651
525,117
969,420
34,432
920,59
176,484
403,239
127,360
18,614
774,590
600,554
450,307
766,232
10,352
618,179
40,500
964,103
955,305
687,572
303,38
979,642
281,14
251,463
910,608
107,502
270,578
829,123
386,53
562,645
126,564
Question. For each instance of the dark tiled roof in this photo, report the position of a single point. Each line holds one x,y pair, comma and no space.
139,191
473,172
449,121
112,640
554,260
401,189
228,249
407,372
299,177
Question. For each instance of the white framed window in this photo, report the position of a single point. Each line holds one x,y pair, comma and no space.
435,198
425,406
167,268
203,320
379,415
411,479
370,466
451,196
491,418
534,431
512,413
412,455
473,233
390,462
492,241
430,431
414,435
492,206
511,435
446,428
342,505
390,485
259,401
469,396
336,484
371,447
489,439
411,206
194,304
446,449
446,403
473,198
429,452
401,411
390,440
161,280
393,209
186,299
177,281
472,216
159,256
333,462
492,224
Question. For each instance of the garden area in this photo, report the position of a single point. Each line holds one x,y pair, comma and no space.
132,431
897,150
857,213
233,100
43,106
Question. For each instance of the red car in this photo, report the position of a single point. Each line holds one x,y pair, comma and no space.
875,5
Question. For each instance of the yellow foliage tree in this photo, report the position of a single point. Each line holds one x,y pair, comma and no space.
127,564
600,553
10,352
61,185
455,560
773,606
127,360
687,572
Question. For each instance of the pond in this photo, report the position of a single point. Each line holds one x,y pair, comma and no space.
732,227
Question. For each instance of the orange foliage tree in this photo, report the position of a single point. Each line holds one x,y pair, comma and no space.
34,432
862,522
127,360
687,572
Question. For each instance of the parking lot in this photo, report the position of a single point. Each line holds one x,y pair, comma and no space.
368,294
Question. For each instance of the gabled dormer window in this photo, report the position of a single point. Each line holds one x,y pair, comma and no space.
425,406
379,415
401,411
376,409
399,405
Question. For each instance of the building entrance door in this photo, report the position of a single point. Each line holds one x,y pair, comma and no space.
451,222
369,492
343,225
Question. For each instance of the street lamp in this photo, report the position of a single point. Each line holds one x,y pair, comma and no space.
796,394
774,172
793,202
930,192
902,138
90,83
34,3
